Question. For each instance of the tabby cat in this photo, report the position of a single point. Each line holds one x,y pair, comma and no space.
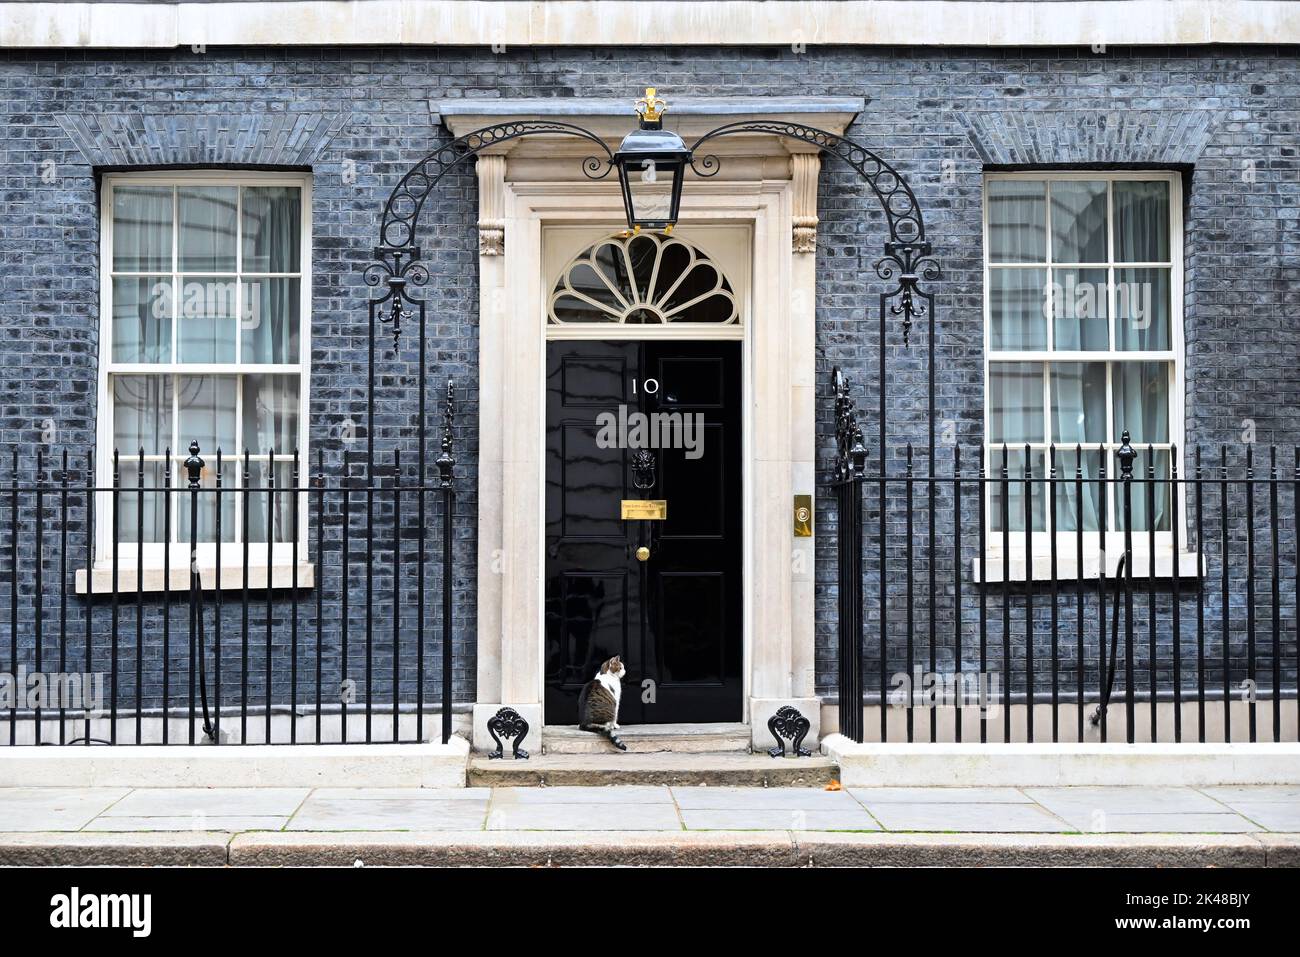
598,701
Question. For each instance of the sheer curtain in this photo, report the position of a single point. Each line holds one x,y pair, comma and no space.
1078,392
1141,405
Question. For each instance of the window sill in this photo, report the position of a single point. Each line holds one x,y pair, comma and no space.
151,578
1190,565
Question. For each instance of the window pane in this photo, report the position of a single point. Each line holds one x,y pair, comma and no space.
1143,491
1068,492
260,500
1141,400
1078,221
272,228
1016,308
1142,309
207,413
1141,221
1080,306
271,413
1017,221
140,515
208,226
205,320
142,319
1078,402
207,506
142,229
1016,402
1015,498
270,320
142,413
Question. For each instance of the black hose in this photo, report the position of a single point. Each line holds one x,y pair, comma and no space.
1114,648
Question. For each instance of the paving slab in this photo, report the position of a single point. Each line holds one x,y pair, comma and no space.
225,802
1076,801
54,809
583,817
941,795
1271,815
190,822
1282,793
1197,823
735,798
771,819
618,794
361,814
404,794
988,818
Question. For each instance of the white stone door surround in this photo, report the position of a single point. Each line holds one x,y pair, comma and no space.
766,184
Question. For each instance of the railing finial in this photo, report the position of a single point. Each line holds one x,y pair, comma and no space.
1126,455
194,465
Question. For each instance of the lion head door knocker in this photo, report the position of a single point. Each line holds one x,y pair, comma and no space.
643,469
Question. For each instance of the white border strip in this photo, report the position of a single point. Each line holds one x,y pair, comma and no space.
1061,765
793,23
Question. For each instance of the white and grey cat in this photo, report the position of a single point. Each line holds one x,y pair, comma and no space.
598,701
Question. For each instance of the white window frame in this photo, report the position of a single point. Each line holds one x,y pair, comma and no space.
155,553
1107,544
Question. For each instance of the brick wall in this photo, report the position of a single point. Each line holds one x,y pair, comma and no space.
359,118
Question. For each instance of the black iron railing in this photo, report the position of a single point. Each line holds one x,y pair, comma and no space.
262,600
994,595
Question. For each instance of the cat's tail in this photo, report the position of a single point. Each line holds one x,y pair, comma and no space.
617,741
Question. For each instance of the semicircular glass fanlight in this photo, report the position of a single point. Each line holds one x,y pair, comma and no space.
644,279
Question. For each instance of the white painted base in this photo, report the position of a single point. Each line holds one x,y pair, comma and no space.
761,709
532,713
1046,765
327,765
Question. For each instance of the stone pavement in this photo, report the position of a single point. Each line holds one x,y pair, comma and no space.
651,824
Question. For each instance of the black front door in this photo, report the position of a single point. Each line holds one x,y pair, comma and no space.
673,612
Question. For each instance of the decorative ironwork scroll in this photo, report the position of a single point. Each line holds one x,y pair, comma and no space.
789,724
850,451
508,723
907,253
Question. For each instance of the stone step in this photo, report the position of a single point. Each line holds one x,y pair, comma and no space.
595,770
649,738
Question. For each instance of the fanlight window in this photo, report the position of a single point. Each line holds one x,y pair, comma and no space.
645,279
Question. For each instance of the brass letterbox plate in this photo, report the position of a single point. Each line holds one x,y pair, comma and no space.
803,516
645,510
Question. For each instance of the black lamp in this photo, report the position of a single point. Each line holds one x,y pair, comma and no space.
651,165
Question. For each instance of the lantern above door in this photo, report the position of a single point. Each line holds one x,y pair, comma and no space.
651,165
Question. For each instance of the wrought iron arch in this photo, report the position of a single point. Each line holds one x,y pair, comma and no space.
397,264
907,256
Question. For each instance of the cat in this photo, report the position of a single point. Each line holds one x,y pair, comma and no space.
598,701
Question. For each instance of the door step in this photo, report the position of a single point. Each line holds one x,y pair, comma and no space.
649,738
596,770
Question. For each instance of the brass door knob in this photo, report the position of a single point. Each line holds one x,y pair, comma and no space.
642,553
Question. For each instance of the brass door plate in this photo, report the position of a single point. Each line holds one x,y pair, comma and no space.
645,510
803,516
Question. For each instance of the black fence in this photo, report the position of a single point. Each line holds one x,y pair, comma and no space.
1021,594
253,599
